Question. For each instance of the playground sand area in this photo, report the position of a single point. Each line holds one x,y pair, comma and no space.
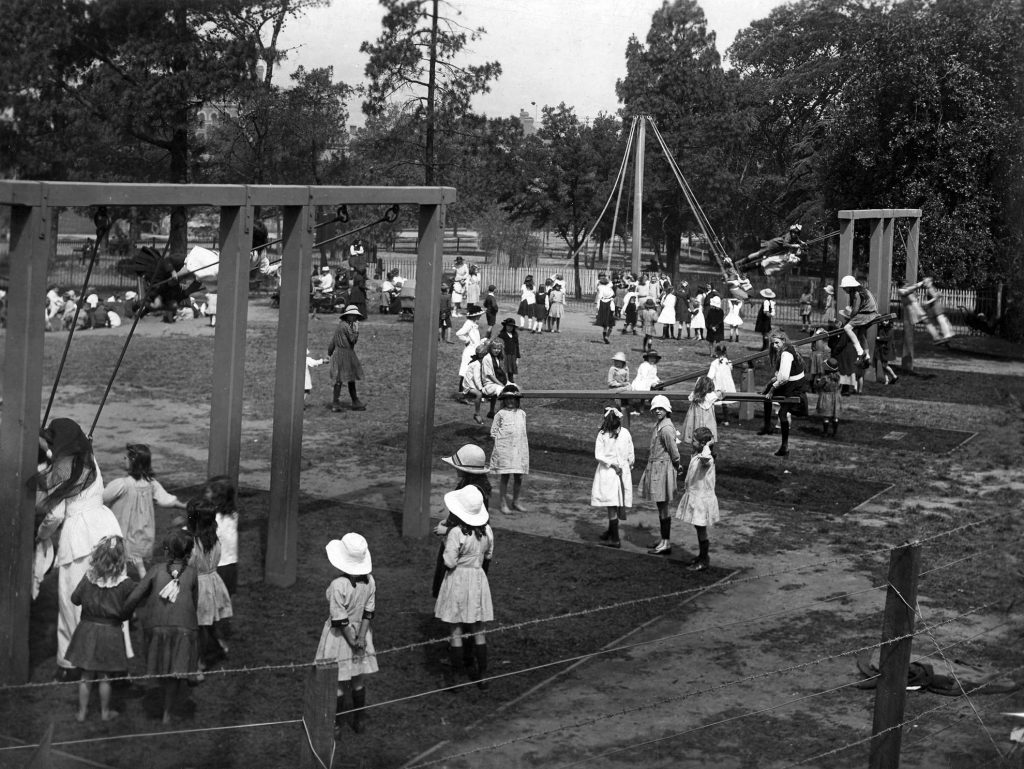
799,562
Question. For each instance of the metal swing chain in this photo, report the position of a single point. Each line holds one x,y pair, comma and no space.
389,216
102,222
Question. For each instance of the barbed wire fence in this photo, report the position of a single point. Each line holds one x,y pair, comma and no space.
323,756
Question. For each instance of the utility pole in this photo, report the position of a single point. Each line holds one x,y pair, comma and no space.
638,196
428,173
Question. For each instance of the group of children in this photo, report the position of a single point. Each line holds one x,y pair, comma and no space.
108,569
647,303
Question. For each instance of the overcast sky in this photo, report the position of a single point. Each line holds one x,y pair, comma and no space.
551,51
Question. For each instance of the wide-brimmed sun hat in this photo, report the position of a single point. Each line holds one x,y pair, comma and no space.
474,311
350,554
831,365
661,402
652,354
351,310
829,290
509,322
511,390
715,301
469,458
619,356
767,293
849,282
467,504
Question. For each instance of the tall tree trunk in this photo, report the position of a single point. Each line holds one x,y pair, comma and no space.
428,171
576,274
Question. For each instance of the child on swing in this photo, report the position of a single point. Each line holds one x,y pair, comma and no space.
863,312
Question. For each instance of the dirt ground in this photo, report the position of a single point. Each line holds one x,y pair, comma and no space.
756,671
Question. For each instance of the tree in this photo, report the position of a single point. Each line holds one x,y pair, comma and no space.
567,176
413,65
111,87
676,77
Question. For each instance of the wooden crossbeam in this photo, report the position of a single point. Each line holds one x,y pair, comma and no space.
686,375
638,395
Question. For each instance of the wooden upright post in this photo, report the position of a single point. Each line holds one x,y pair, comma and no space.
845,259
19,430
319,702
423,380
229,342
747,407
894,656
913,239
286,447
638,196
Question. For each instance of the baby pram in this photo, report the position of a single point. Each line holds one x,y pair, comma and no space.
407,299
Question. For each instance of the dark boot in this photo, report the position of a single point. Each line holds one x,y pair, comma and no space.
481,665
784,448
703,560
451,673
358,715
835,427
357,405
336,403
825,425
469,659
339,711
767,428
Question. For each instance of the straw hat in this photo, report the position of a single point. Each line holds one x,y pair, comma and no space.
767,293
351,310
467,504
661,402
469,458
350,554
849,282
619,356
511,390
715,301
831,365
829,290
651,354
509,322
474,311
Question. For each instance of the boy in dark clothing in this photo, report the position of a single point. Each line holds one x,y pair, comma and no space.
491,308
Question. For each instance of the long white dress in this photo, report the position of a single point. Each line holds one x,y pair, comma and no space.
720,372
86,521
470,335
668,310
611,489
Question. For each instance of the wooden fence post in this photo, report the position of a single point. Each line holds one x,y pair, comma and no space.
319,702
747,407
894,656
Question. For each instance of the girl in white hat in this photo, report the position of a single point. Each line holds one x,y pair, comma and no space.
658,483
613,482
346,636
763,324
863,312
464,597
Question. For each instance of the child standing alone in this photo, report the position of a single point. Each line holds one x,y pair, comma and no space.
346,636
613,484
97,646
345,366
699,504
511,455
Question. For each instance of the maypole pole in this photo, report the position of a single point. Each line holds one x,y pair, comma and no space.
638,196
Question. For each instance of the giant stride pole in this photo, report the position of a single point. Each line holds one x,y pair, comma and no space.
638,196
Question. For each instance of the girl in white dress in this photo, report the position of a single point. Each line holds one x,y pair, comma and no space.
465,593
699,504
720,372
697,324
346,636
469,334
667,318
733,319
613,483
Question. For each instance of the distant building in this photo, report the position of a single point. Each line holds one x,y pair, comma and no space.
529,124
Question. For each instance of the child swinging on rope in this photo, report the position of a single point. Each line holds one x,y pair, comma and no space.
781,253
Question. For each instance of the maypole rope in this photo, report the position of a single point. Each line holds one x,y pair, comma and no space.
102,222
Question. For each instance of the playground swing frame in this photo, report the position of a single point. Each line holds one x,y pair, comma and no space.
33,207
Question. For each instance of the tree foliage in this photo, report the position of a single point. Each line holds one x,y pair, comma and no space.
416,66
